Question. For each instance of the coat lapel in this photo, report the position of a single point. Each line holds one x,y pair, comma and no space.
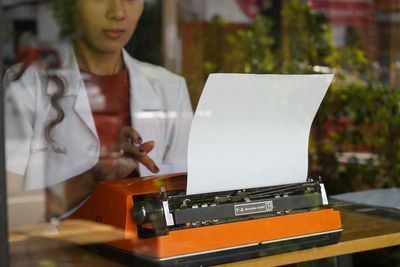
144,94
69,72
83,110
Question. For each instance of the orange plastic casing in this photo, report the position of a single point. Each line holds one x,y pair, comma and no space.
111,203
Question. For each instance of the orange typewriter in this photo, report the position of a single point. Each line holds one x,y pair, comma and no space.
165,227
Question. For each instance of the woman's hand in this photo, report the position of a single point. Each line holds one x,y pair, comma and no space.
118,163
124,158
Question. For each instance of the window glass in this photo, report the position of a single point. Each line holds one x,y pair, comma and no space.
97,93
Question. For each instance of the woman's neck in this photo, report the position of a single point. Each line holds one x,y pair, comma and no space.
98,62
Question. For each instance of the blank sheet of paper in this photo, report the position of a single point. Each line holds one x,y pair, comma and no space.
252,130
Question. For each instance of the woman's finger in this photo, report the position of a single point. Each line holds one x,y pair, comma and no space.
130,134
132,150
139,151
149,164
146,147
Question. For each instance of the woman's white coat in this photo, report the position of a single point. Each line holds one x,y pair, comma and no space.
160,111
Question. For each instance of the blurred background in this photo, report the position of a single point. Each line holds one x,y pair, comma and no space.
355,137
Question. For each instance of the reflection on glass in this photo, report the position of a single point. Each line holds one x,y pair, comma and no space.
71,108
72,103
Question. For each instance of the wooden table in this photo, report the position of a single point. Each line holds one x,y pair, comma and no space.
362,232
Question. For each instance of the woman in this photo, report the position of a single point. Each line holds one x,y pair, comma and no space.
52,134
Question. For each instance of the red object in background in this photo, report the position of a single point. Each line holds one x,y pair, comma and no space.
250,7
44,57
109,126
345,12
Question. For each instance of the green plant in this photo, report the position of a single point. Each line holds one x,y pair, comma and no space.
250,50
63,13
357,118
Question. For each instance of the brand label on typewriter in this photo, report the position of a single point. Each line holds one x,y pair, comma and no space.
255,207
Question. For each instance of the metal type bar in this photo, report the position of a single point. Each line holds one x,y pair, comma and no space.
283,189
252,194
298,191
230,195
4,258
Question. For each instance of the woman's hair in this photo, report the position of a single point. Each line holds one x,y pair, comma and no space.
54,100
63,12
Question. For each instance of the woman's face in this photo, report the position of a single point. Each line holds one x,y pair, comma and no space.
106,26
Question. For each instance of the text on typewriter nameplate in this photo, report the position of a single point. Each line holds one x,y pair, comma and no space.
252,208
